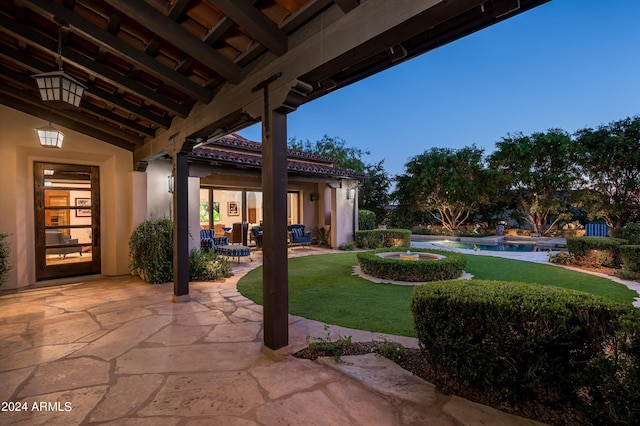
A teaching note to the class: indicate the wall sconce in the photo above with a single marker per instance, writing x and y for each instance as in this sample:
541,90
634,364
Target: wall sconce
57,86
172,183
314,197
50,137
351,193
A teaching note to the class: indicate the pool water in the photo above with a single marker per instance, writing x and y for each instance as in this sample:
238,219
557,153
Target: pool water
498,247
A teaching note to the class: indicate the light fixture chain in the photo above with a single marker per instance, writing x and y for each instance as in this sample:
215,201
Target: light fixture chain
59,47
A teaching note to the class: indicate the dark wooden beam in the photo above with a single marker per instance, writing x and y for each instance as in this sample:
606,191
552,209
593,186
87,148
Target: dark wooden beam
118,47
179,37
347,5
77,123
250,19
177,8
302,15
70,56
275,275
181,221
28,85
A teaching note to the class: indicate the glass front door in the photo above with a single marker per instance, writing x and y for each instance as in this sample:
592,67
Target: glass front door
67,220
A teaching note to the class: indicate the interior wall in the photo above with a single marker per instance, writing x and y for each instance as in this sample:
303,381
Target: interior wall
19,149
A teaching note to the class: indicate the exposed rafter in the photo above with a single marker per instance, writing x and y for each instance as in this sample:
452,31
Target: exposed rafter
118,47
255,23
175,34
23,33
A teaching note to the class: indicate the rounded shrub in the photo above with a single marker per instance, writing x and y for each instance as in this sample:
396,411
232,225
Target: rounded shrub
366,220
630,233
448,268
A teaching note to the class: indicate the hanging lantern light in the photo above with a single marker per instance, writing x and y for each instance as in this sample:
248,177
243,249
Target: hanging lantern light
58,86
50,137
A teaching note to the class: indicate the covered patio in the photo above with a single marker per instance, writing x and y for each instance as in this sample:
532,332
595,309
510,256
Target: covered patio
163,78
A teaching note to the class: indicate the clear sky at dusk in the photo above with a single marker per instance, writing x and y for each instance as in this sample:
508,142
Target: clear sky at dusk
567,64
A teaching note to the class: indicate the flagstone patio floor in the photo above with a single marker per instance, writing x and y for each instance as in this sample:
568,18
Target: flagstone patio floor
118,351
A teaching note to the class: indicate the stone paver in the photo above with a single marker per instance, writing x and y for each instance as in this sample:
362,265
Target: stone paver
119,352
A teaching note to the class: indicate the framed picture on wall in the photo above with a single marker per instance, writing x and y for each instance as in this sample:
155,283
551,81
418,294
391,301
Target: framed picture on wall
86,203
232,207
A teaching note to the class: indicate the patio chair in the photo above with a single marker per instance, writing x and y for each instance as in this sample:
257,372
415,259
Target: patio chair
297,235
208,240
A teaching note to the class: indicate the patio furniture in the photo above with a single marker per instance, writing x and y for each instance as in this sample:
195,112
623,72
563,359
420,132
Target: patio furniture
235,251
208,240
256,231
297,235
56,238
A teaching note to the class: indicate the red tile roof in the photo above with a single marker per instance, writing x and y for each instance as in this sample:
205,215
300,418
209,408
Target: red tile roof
233,149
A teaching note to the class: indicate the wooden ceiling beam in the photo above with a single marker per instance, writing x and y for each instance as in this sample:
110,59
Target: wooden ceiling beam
84,63
347,5
250,19
169,30
73,121
40,67
103,39
302,15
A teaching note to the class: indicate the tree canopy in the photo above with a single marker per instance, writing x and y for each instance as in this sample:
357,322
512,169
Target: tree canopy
609,157
448,184
540,172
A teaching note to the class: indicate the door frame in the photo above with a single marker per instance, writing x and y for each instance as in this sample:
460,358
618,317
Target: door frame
63,270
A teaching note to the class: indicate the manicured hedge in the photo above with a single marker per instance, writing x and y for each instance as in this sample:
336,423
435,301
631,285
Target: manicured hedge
531,342
366,220
448,268
380,238
630,256
581,247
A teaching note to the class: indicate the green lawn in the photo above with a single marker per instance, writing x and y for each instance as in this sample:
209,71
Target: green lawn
322,288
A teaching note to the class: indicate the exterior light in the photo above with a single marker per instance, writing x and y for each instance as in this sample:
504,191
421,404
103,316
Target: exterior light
50,137
57,86
351,193
172,183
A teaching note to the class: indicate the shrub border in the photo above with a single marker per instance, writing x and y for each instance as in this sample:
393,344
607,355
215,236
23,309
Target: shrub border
448,268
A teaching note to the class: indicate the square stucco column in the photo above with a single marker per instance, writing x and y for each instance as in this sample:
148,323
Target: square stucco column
275,268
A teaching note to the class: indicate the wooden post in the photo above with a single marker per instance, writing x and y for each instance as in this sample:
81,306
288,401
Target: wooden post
274,242
181,222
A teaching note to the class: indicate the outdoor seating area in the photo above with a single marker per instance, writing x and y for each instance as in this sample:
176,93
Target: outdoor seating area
298,236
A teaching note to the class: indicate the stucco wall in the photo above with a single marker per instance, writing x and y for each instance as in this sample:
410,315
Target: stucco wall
19,149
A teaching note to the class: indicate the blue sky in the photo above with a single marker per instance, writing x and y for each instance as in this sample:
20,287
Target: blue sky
567,64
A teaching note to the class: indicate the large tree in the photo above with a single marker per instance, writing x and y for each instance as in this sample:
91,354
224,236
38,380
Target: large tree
447,184
540,172
609,157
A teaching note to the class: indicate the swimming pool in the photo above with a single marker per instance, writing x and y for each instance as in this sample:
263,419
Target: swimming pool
490,247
